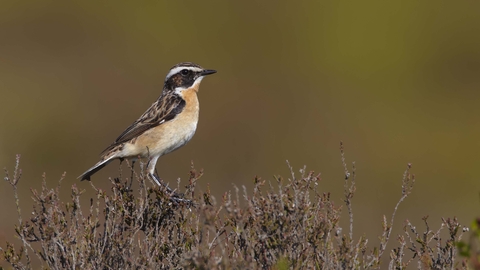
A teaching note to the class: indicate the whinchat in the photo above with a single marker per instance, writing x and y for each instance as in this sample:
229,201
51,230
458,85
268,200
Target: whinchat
167,125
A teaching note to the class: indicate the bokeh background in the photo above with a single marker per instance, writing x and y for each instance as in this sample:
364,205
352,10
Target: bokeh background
396,81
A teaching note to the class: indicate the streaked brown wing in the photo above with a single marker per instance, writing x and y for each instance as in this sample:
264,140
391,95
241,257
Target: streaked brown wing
163,110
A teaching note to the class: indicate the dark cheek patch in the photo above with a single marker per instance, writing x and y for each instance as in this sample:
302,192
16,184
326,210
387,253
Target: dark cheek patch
180,81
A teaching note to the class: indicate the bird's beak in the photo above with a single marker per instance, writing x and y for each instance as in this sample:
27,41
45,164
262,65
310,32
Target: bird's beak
207,72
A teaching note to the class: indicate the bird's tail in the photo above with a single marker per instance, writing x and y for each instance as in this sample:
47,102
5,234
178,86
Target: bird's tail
86,175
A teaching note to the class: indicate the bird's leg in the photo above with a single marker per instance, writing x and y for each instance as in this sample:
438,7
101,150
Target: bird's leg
152,161
131,177
174,196
160,183
151,172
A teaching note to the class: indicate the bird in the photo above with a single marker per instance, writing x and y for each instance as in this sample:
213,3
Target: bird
169,123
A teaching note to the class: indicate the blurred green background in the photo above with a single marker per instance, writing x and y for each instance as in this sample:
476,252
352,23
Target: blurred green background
396,81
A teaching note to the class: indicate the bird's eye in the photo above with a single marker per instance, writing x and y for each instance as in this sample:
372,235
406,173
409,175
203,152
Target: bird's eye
185,72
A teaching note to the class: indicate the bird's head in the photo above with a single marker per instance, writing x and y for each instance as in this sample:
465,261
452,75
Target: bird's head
185,76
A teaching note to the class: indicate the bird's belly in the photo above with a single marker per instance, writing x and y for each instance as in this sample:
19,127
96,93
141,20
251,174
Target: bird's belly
167,136
162,139
171,139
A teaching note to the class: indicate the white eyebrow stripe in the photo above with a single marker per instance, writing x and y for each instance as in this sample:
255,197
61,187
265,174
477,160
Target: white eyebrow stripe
178,69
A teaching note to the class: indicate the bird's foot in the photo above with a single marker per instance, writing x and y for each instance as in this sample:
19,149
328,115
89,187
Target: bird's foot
175,197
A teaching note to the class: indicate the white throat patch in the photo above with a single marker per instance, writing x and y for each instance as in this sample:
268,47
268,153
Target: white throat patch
179,90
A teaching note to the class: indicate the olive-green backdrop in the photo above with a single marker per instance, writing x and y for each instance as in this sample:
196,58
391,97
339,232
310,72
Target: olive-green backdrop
396,81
